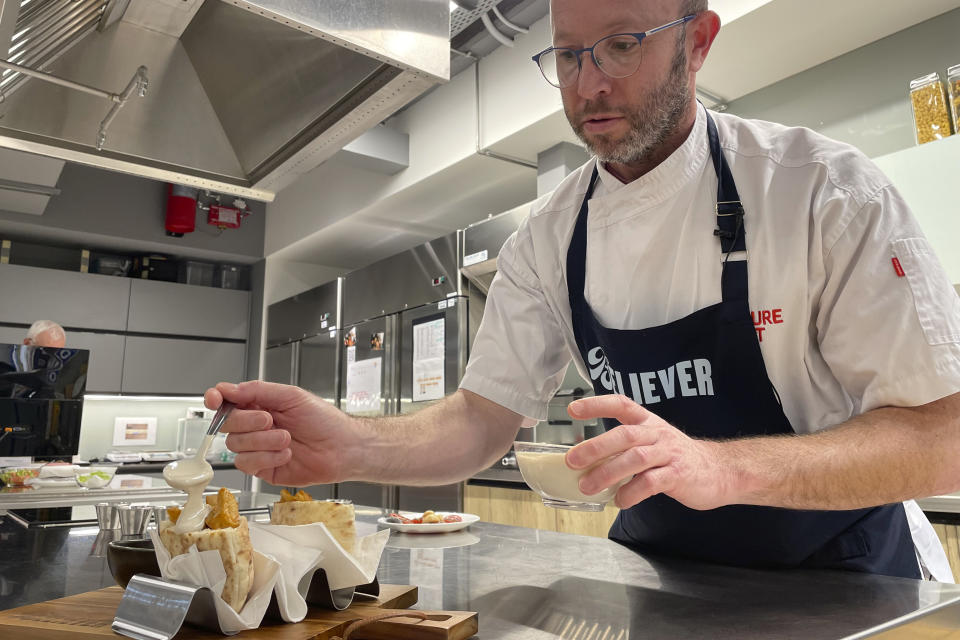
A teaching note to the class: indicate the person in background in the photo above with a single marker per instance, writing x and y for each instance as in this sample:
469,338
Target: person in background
784,415
46,333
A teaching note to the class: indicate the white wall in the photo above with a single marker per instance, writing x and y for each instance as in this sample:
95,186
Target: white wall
99,414
287,278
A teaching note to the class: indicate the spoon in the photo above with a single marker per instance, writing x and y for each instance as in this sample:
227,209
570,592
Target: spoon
193,474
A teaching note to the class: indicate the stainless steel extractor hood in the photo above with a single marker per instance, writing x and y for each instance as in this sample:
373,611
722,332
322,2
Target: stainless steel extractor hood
244,95
482,242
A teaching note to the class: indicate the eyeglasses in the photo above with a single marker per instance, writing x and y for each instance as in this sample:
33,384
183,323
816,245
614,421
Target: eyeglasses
618,56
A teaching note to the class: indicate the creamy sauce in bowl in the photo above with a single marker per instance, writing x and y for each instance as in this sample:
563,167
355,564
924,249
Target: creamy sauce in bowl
191,475
547,473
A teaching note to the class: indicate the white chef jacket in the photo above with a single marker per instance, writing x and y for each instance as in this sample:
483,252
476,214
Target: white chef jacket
853,311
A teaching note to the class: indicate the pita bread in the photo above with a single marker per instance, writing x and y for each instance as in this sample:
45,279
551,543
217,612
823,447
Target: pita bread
337,516
235,549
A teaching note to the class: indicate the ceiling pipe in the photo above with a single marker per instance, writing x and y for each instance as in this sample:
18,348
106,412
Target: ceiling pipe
493,31
503,19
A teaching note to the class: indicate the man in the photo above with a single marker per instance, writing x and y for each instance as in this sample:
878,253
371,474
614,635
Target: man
45,333
784,416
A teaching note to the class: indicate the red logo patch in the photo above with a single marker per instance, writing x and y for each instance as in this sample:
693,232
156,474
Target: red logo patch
897,268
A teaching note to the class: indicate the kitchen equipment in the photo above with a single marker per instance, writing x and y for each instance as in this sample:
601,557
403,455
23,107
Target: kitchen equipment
123,456
161,456
544,469
110,265
365,58
231,276
226,408
196,273
127,558
100,544
159,515
190,434
41,400
155,268
134,519
108,517
91,615
304,349
405,313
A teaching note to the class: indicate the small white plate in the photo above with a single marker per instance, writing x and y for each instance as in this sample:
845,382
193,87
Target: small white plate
467,519
445,541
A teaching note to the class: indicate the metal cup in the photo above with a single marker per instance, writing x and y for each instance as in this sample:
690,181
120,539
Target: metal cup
134,519
159,515
107,515
99,547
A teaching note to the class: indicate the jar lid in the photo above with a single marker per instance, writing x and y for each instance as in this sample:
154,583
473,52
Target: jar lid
925,80
953,71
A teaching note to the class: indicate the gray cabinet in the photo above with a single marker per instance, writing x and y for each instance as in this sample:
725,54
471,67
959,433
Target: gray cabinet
106,355
72,299
106,359
186,310
12,335
166,365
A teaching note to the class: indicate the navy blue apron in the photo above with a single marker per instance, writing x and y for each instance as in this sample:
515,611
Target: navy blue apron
705,375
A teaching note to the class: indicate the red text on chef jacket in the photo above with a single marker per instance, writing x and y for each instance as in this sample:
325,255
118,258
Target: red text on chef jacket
765,318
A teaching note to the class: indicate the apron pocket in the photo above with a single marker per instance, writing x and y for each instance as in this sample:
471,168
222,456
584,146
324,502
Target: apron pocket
849,546
936,301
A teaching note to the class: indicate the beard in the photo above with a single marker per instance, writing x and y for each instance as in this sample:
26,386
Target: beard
651,122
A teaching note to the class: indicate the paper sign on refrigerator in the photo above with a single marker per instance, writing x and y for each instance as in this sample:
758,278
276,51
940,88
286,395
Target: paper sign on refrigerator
363,386
428,349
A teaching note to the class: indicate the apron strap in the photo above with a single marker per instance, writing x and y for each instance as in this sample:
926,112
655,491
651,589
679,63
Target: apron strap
730,225
577,252
730,230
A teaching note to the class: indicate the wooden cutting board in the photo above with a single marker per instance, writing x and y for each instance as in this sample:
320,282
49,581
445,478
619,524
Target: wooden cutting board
88,616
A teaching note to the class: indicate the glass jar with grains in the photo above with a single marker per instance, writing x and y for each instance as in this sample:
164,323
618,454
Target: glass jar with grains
953,89
930,112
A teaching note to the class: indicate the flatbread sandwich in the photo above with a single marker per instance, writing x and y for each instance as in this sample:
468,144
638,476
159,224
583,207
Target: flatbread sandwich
298,509
226,531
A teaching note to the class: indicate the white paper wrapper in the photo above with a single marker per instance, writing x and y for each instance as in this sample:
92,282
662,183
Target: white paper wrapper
343,569
205,569
297,566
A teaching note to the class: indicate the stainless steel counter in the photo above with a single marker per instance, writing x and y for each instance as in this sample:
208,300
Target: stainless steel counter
67,493
531,585
949,503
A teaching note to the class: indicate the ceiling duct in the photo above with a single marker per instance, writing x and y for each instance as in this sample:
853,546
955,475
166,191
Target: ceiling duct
245,95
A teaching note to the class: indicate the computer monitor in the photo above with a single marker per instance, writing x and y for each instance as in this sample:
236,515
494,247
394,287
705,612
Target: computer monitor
41,400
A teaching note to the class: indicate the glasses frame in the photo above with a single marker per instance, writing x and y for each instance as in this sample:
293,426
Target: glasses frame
579,52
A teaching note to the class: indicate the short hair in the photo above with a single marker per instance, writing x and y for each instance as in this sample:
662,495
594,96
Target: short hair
42,326
693,7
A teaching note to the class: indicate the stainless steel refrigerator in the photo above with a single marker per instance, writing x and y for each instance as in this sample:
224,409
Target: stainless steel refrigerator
404,346
302,349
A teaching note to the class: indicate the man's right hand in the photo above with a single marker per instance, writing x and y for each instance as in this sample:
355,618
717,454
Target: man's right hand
283,434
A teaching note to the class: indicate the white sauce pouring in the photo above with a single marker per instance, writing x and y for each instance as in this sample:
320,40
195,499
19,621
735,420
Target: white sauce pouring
191,475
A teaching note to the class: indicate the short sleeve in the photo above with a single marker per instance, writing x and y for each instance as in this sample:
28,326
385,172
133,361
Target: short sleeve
888,324
518,358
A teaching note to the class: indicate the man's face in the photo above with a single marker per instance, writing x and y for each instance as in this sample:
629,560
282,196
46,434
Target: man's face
622,120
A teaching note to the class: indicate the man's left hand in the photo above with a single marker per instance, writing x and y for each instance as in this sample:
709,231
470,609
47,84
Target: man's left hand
660,457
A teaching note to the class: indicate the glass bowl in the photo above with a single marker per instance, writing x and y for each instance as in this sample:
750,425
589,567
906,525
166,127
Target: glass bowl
544,469
95,477
18,476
